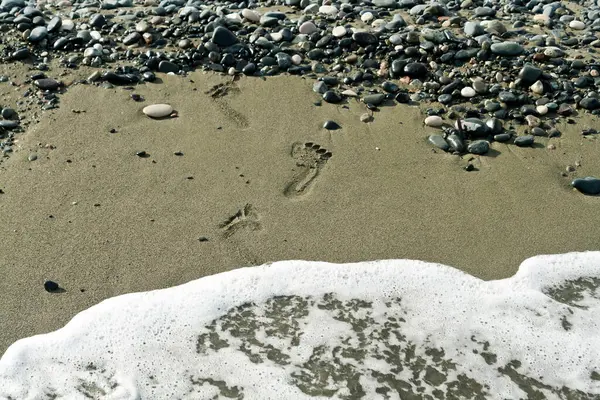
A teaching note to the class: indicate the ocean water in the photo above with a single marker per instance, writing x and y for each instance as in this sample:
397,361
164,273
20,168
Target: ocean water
392,329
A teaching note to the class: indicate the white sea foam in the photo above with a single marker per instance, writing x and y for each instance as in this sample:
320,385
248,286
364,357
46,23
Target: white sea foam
300,330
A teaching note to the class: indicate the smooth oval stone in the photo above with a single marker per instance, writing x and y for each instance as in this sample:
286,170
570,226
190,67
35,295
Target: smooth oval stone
51,286
523,141
542,110
47,84
494,125
328,10
364,38
120,79
167,66
590,103
132,38
589,185
473,126
332,97
331,125
456,143
307,28
468,92
375,99
577,25
434,121
502,137
508,49
478,147
339,31
9,124
38,34
439,142
158,110
251,15
415,70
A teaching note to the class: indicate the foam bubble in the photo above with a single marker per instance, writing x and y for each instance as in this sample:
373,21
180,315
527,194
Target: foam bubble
296,329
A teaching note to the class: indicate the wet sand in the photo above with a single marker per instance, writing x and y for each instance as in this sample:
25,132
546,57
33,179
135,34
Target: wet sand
101,221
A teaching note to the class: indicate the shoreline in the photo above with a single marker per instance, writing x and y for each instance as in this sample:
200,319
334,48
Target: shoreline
401,201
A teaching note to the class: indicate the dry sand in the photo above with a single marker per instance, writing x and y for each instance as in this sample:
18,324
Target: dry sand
383,194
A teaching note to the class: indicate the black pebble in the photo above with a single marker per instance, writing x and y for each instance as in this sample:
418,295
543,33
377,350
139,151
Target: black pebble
331,125
51,286
142,154
178,153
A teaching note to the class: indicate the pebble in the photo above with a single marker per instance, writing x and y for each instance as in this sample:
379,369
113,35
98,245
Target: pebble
307,28
468,92
339,31
478,147
439,142
524,141
223,37
374,99
542,110
537,87
331,125
507,49
47,84
434,121
577,25
589,185
158,110
51,286
331,96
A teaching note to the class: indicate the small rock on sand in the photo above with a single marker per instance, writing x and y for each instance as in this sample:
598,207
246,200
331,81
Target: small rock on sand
158,110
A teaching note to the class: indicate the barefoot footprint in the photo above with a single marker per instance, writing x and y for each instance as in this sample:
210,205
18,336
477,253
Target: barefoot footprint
218,94
246,218
310,158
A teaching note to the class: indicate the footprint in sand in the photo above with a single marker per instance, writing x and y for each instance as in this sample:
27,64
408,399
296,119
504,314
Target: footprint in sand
218,94
310,158
245,218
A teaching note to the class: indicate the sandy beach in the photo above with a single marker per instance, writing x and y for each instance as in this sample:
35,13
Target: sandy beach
99,220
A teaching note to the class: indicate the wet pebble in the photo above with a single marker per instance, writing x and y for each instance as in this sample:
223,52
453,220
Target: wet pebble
524,141
589,185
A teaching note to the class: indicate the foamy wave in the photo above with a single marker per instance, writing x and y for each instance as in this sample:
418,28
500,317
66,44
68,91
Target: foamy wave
299,330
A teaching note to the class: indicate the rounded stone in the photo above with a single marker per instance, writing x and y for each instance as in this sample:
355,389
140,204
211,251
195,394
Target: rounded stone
339,31
577,25
589,185
307,28
158,110
468,92
434,121
478,147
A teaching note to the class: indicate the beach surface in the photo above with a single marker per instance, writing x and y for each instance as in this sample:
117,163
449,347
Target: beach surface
245,190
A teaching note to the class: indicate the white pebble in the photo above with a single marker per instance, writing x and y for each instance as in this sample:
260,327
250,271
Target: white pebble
328,10
307,28
537,88
296,59
366,17
468,92
577,25
339,31
542,110
158,110
250,15
434,121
